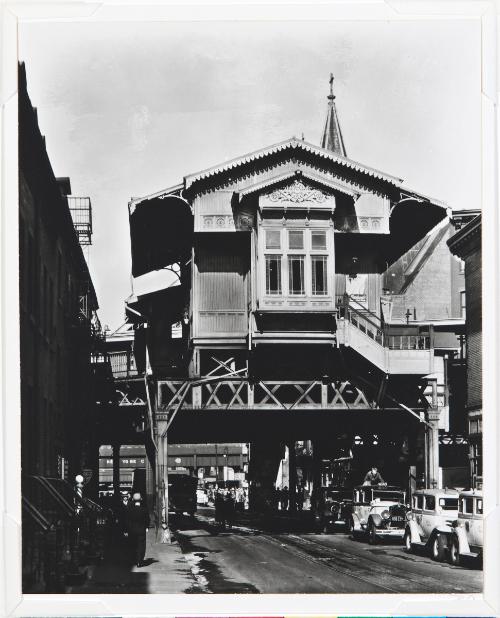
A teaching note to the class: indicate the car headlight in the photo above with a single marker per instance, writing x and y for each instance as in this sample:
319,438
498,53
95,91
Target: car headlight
385,515
409,516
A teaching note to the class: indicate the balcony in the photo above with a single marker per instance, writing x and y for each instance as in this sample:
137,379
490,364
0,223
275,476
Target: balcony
81,213
123,365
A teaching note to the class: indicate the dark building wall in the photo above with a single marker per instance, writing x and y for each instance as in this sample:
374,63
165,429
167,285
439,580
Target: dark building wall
474,328
56,386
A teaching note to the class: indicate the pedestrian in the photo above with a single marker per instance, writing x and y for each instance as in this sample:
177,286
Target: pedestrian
229,509
137,526
300,498
373,477
219,509
284,498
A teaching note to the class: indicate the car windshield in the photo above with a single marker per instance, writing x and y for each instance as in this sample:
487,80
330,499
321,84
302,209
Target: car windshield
448,504
336,495
394,496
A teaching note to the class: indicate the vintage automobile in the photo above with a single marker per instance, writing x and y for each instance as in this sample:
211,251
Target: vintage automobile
333,509
378,511
466,540
430,519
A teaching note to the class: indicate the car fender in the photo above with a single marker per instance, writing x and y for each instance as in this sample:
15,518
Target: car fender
356,520
376,519
415,531
463,543
443,529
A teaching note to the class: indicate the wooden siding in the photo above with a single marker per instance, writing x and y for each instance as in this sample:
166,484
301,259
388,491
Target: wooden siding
219,212
474,329
220,288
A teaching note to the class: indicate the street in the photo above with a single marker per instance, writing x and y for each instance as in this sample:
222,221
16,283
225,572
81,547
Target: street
248,560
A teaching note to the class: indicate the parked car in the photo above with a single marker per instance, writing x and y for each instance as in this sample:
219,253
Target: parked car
378,511
201,496
430,519
333,509
466,540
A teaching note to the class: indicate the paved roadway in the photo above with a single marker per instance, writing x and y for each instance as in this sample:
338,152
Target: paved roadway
248,560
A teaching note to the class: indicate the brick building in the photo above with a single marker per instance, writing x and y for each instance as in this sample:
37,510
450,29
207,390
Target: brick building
58,305
466,244
61,364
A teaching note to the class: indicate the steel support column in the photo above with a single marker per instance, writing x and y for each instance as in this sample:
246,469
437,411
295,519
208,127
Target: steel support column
116,470
432,448
292,476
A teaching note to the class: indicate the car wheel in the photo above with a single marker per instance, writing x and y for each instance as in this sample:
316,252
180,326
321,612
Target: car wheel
438,548
454,552
407,541
372,534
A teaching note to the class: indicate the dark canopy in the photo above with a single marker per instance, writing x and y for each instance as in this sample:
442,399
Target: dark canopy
161,230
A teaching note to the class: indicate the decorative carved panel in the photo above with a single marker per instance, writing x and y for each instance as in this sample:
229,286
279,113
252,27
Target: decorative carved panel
298,195
297,192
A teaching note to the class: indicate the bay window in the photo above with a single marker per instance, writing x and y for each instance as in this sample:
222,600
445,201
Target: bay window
297,262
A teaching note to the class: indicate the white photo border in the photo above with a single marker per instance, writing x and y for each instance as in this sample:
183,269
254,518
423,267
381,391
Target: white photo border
16,604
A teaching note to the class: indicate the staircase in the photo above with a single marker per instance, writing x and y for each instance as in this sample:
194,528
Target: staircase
362,330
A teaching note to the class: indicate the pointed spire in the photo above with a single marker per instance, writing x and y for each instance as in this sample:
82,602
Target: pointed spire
332,135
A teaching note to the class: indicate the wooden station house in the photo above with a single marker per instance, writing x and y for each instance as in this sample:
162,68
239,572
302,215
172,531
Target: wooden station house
266,338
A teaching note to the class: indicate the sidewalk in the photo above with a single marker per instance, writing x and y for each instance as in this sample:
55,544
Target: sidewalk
166,572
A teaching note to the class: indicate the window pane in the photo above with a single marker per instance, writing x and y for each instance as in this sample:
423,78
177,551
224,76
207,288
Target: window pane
462,304
273,239
448,504
318,240
467,505
430,503
319,275
296,274
479,507
273,274
295,239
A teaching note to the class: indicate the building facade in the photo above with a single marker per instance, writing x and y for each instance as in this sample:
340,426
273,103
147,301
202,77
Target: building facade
60,342
280,255
466,244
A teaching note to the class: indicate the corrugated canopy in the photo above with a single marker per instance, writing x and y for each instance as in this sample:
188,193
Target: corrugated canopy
161,231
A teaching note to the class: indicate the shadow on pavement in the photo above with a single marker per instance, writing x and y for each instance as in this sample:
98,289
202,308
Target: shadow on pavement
116,573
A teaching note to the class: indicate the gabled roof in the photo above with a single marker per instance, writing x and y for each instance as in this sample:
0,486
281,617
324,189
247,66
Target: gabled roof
290,144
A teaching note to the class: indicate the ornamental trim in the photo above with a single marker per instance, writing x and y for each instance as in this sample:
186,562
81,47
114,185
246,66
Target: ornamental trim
297,193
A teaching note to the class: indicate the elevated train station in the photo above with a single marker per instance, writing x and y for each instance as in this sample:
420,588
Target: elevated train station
266,336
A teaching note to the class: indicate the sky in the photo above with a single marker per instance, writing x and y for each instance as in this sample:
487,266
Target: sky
130,108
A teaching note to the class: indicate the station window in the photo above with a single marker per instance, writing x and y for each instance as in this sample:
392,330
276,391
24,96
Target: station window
296,274
295,239
273,239
273,274
296,262
318,240
319,269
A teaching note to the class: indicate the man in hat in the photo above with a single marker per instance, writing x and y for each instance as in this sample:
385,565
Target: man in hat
373,477
137,526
